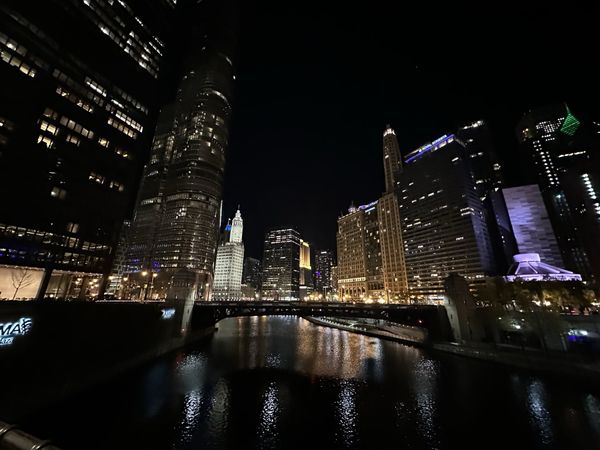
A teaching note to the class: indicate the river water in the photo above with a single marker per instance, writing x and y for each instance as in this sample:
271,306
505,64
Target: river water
283,382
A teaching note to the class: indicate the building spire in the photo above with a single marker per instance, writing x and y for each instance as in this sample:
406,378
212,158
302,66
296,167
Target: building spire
392,163
237,227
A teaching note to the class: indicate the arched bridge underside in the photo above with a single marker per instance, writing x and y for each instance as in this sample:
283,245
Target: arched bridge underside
431,317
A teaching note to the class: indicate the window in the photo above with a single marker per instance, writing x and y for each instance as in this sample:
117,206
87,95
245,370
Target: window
103,142
48,127
73,139
59,193
45,140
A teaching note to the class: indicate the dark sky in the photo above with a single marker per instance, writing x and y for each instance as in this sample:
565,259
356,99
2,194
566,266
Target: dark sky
317,82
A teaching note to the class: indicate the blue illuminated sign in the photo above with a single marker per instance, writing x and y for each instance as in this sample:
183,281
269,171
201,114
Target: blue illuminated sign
10,330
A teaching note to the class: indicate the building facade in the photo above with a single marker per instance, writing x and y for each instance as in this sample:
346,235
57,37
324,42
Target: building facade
281,265
78,103
324,261
252,273
564,152
444,224
175,228
229,265
306,277
531,224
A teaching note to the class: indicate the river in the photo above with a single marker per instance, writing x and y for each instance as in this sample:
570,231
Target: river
283,382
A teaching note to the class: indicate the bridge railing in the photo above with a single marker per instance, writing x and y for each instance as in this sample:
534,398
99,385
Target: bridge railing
11,438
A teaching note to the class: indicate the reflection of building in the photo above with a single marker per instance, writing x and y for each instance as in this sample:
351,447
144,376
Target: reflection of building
531,225
252,272
565,151
78,94
306,279
281,265
444,224
529,267
176,221
323,266
230,263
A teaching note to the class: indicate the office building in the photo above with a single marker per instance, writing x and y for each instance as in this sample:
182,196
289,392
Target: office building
175,228
444,225
306,278
487,173
281,265
78,104
229,265
252,272
324,262
564,151
531,224
393,266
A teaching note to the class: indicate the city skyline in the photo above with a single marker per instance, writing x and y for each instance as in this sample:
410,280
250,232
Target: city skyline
386,73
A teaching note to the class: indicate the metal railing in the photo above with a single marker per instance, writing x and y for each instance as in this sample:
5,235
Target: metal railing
11,438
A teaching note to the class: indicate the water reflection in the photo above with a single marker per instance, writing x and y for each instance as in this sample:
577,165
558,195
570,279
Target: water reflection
283,382
346,413
267,426
425,376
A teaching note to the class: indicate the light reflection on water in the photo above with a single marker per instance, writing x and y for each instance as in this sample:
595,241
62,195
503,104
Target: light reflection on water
283,382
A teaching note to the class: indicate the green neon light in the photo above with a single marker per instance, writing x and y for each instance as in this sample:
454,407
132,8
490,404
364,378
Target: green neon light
570,125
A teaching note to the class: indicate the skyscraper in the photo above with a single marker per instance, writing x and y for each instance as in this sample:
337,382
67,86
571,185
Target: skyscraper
306,278
230,263
444,225
487,173
360,274
252,272
281,265
323,264
564,150
393,264
78,102
175,226
531,224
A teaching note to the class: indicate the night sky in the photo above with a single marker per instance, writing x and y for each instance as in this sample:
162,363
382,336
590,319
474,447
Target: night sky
317,84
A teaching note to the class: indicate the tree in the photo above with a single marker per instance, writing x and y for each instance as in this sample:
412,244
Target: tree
20,278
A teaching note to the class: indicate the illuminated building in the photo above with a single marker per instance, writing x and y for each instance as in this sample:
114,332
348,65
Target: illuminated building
444,225
393,266
306,279
79,100
252,272
564,151
175,229
487,174
529,267
531,224
360,275
281,265
229,265
323,265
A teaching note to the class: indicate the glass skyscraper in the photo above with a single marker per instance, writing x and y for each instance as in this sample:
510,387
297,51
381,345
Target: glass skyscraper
78,103
281,265
174,230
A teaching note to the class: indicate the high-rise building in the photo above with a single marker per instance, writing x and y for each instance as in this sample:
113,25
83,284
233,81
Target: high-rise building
252,272
444,225
229,265
323,264
78,101
306,278
531,224
564,151
360,274
175,226
487,173
392,163
393,265
281,265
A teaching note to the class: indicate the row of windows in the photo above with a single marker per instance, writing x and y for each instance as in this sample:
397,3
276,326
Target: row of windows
122,128
75,99
101,179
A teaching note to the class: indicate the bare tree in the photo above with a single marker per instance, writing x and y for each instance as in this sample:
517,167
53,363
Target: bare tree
20,278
